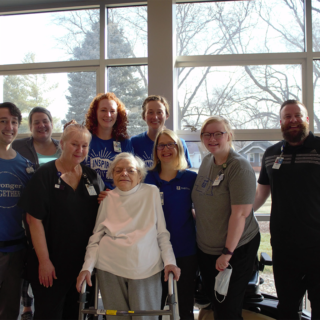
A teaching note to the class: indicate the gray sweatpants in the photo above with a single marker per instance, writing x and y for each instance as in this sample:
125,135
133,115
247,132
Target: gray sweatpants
124,294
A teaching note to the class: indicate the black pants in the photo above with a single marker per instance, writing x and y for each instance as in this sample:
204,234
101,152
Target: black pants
57,302
294,274
242,263
186,286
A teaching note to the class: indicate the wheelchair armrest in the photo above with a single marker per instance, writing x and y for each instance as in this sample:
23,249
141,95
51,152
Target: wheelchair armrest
265,260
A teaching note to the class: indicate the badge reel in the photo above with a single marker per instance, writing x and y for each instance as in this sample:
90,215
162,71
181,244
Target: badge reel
89,186
59,185
277,164
117,146
218,179
162,198
220,176
29,169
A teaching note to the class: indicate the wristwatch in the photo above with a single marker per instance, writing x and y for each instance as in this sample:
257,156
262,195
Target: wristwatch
226,251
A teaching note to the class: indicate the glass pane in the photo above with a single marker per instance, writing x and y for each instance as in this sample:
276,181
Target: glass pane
257,148
237,27
316,102
130,85
66,95
47,37
249,96
316,24
127,35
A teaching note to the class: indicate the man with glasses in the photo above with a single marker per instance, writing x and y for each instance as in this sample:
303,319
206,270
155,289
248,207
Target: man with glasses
291,173
15,172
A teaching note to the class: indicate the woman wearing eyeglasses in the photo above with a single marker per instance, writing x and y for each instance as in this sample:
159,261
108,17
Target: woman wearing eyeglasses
227,231
155,112
175,184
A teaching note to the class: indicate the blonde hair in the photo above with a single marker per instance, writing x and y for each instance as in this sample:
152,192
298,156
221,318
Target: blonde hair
182,162
71,127
218,119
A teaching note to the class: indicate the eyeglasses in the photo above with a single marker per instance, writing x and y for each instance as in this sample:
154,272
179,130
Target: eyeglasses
170,145
128,170
217,135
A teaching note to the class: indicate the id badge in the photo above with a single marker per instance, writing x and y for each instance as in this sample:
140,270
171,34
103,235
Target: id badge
218,179
30,170
277,164
162,198
116,146
91,190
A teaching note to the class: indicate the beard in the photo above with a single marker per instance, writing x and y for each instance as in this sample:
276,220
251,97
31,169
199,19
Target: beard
295,136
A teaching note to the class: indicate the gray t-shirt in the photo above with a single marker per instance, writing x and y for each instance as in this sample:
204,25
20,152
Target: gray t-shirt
213,203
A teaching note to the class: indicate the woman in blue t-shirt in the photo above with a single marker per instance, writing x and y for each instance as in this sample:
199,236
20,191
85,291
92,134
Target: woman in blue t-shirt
107,120
175,184
155,112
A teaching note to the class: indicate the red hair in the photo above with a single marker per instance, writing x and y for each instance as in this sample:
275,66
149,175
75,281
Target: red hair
119,130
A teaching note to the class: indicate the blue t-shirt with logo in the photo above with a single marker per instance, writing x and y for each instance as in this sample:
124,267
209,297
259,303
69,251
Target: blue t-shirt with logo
143,148
177,205
13,179
101,154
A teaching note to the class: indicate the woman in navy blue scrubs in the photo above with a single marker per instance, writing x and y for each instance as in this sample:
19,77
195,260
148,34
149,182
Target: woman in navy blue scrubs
175,184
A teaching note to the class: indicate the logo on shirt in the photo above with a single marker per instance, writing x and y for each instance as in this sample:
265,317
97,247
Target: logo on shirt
10,189
182,188
204,186
100,162
147,160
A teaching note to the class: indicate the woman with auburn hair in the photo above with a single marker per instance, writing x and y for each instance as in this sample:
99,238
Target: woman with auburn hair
155,112
227,230
175,184
107,120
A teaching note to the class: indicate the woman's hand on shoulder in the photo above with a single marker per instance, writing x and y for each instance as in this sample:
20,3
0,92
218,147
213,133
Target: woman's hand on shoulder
102,195
83,275
222,262
47,273
174,269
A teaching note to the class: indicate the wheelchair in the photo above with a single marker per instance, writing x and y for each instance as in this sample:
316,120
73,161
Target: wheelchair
256,305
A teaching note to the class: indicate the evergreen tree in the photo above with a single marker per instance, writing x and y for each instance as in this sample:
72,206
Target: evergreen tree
123,81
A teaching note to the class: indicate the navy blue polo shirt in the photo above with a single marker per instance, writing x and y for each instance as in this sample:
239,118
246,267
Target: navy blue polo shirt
177,210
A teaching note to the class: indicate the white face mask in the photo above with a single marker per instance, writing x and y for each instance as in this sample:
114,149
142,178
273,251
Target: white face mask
222,282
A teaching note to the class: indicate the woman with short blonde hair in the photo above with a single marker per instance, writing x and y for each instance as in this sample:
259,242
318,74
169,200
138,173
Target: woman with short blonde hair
61,204
169,173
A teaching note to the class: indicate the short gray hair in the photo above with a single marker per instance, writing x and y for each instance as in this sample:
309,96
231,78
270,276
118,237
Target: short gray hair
137,162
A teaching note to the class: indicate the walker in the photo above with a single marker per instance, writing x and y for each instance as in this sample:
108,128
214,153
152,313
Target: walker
172,304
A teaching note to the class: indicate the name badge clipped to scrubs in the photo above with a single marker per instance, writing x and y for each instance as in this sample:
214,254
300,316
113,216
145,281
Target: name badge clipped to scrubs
277,164
116,146
89,186
220,176
29,168
91,190
162,198
59,185
218,179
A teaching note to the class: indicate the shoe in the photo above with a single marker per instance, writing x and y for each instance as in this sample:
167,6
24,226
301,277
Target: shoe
27,316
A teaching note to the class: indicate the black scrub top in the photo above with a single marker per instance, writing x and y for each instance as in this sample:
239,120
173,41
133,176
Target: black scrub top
68,218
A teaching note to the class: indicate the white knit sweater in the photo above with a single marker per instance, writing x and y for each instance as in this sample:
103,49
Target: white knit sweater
130,238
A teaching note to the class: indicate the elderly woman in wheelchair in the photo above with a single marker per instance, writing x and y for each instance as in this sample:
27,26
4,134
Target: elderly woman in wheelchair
130,243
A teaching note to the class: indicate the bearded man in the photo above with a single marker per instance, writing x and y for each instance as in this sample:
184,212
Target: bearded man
290,171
